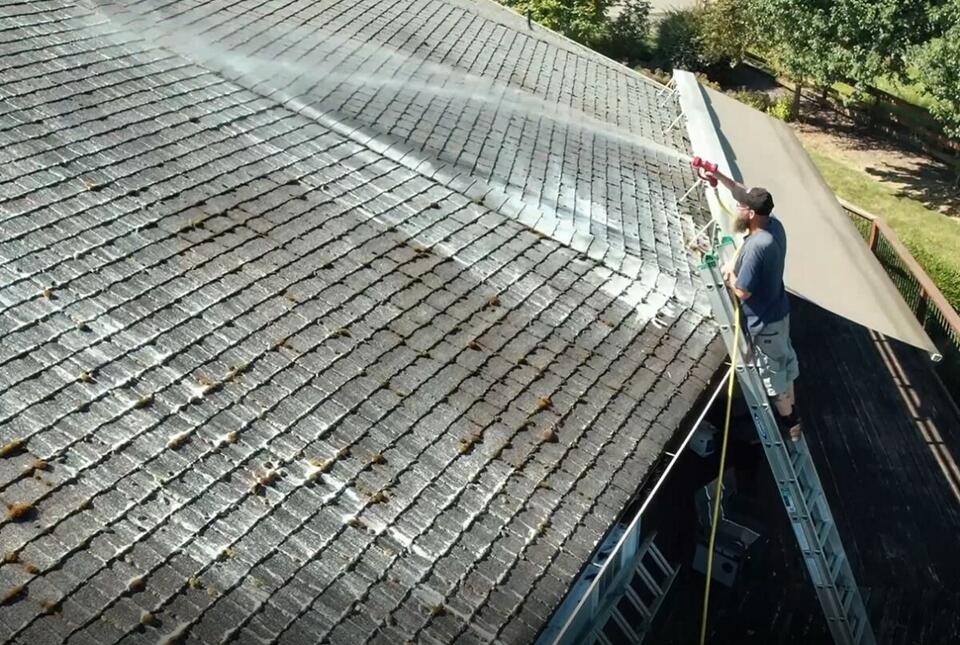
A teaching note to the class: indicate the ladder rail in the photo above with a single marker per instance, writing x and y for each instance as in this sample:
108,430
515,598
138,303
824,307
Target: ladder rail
797,480
611,611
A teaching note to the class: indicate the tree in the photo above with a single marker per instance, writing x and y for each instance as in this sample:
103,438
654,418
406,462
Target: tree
726,31
798,36
588,22
628,31
582,20
872,38
938,65
678,42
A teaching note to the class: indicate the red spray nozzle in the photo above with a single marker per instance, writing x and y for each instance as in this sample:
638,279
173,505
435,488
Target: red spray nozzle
705,169
709,166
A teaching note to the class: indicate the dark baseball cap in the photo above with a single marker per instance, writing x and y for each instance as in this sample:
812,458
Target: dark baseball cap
757,199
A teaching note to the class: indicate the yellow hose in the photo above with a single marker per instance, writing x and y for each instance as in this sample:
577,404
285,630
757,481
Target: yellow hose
723,458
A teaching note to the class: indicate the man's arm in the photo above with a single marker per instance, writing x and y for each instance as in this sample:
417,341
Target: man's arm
744,279
728,182
732,280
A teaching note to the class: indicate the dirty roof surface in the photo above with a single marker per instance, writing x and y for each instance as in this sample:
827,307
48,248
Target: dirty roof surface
293,357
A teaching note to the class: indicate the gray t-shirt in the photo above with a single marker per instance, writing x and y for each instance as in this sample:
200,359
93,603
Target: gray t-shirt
759,270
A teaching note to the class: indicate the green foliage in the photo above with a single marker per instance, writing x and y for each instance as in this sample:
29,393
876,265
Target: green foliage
587,22
796,36
755,99
938,65
678,42
872,38
782,109
628,31
582,20
726,31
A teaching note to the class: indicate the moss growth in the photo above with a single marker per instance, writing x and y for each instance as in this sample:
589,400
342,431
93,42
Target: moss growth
50,605
356,523
19,511
178,440
208,385
14,594
14,447
548,436
145,401
544,403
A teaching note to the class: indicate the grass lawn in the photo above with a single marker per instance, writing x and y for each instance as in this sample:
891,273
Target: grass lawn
933,238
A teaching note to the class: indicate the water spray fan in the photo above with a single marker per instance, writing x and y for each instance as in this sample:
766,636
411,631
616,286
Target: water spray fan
703,167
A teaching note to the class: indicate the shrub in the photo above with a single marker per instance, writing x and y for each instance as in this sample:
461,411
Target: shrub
678,42
726,31
757,100
782,109
628,31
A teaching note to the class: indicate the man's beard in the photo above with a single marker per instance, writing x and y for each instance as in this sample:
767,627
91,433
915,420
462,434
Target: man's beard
741,224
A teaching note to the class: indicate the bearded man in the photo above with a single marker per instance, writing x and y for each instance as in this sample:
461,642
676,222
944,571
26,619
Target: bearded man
756,276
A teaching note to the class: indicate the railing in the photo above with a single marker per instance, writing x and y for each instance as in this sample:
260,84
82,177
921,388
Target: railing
939,319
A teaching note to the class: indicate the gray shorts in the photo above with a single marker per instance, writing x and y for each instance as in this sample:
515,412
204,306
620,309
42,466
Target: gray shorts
774,357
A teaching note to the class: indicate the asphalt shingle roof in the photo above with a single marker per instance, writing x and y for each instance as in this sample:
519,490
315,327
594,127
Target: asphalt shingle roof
297,357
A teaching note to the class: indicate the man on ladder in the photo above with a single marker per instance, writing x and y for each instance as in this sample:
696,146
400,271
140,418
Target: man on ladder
756,276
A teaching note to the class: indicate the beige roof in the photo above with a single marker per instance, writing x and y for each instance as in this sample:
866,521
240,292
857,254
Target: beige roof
827,261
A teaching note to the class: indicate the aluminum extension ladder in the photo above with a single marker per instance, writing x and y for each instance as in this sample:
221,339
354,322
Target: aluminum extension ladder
627,619
796,478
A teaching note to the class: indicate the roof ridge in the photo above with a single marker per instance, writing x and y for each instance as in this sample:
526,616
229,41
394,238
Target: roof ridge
580,47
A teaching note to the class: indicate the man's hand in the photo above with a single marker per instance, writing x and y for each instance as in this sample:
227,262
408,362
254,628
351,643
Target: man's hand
729,277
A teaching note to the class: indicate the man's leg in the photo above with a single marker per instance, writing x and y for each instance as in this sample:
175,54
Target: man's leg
792,372
784,404
777,363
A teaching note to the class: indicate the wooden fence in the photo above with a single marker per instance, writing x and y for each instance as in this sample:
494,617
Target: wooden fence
939,319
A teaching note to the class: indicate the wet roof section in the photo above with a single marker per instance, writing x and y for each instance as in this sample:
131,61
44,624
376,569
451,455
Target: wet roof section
290,356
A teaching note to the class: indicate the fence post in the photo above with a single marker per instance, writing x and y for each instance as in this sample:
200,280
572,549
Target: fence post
874,234
922,308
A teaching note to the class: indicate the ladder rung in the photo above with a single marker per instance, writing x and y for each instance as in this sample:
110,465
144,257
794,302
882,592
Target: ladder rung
836,566
823,531
625,626
846,600
797,461
638,604
660,560
600,637
647,579
858,628
810,497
